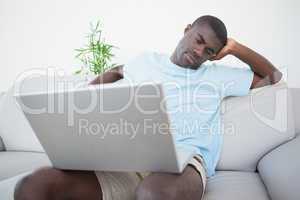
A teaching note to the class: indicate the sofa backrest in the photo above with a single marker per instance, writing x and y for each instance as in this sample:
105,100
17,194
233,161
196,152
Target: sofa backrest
15,130
254,125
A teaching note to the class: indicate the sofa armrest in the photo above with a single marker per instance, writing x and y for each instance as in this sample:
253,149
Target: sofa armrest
280,171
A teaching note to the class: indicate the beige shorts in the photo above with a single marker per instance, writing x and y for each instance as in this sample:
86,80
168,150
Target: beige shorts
122,185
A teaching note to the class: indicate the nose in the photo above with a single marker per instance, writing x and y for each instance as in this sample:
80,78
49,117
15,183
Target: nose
198,51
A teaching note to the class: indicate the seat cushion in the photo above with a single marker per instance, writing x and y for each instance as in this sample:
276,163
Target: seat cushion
255,124
14,163
228,185
7,186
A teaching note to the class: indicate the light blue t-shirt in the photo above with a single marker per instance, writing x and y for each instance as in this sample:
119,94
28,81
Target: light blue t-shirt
193,99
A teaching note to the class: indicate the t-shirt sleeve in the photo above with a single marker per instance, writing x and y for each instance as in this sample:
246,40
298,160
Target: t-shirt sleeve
234,81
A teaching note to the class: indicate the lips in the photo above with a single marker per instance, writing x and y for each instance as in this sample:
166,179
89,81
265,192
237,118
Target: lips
190,58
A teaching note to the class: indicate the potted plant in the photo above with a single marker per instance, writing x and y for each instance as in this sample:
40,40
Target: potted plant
96,55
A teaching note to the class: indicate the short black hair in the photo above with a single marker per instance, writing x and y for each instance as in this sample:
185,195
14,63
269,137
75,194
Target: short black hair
216,25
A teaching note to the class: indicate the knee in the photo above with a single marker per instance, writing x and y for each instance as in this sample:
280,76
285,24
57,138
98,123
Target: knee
20,190
37,185
154,191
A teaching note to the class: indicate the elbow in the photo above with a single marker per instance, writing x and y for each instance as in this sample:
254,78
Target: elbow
94,81
276,77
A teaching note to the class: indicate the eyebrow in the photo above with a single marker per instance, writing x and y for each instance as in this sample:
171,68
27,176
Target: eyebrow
202,38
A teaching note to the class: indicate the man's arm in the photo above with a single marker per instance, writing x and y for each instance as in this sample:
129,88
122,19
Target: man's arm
110,76
264,72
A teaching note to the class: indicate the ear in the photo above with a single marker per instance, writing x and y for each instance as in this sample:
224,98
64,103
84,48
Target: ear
187,28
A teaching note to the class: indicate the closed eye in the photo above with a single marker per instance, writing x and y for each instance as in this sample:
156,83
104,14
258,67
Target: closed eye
198,41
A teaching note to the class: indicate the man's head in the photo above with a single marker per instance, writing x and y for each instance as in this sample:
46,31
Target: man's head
202,40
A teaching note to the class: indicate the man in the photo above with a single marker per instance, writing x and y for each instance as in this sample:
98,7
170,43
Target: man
195,90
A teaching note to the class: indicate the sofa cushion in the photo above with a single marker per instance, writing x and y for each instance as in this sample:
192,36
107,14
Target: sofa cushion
228,185
280,171
253,125
14,163
7,186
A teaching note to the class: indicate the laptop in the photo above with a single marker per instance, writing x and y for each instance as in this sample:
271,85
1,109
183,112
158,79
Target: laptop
107,127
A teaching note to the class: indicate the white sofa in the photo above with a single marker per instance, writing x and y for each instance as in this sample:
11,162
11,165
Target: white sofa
260,157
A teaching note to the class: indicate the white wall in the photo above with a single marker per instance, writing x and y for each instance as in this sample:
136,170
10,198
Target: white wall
45,33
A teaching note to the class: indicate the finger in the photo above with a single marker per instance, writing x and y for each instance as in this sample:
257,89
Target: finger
213,58
218,57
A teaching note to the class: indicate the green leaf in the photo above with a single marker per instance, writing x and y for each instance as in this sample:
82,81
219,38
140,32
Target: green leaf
96,54
78,71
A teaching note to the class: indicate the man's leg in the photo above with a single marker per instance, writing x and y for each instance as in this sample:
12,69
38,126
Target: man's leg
54,184
162,186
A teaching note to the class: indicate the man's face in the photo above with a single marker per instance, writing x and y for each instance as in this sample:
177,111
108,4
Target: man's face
198,45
